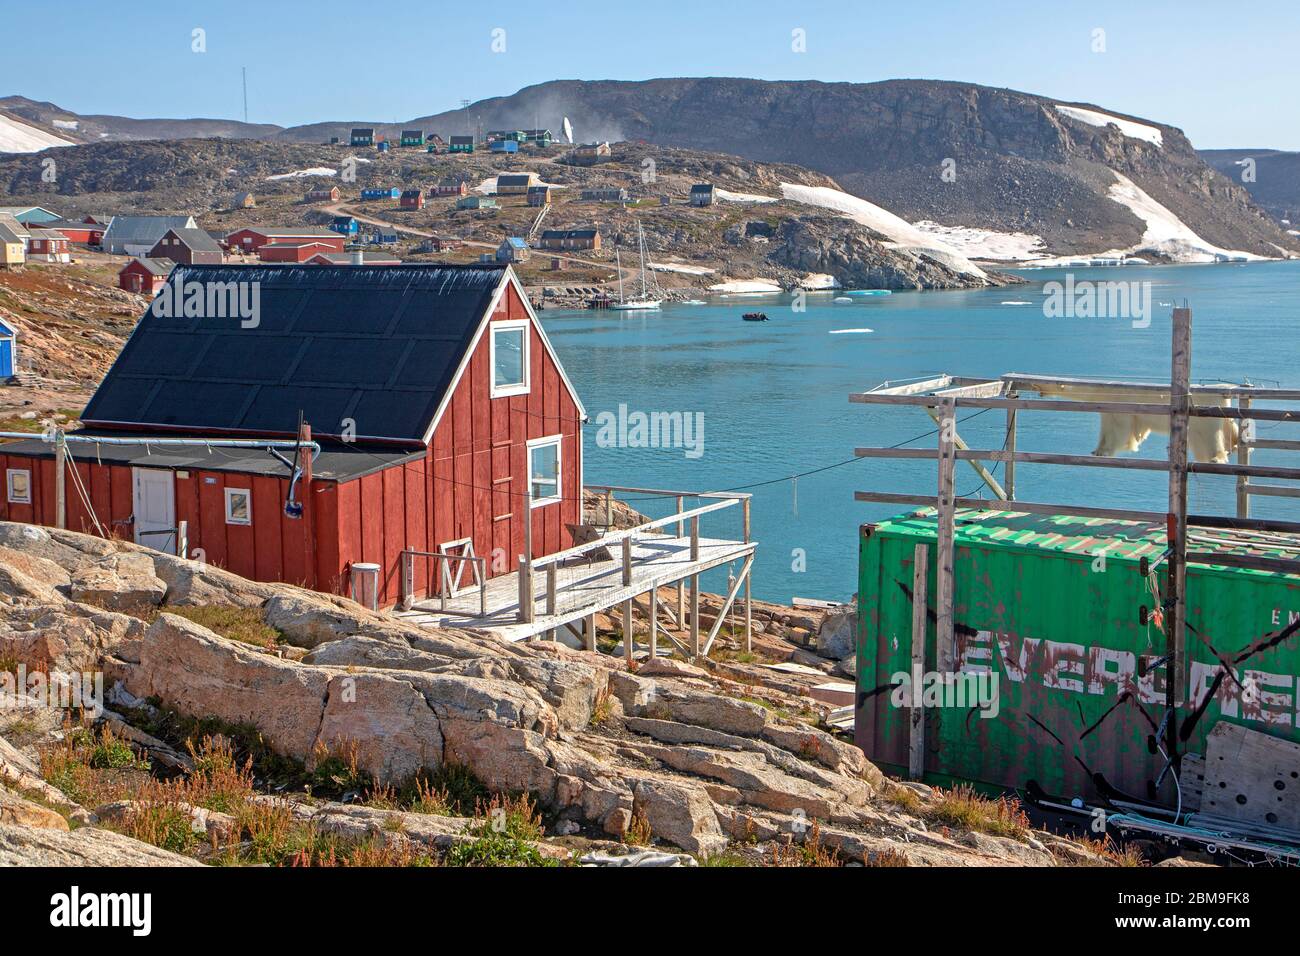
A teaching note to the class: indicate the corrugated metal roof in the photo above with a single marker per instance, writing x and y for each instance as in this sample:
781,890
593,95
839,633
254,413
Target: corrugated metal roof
142,229
379,345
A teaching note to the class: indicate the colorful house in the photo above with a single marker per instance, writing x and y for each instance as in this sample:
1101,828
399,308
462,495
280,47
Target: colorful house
145,276
702,194
193,247
503,146
413,199
48,245
362,136
604,194
452,187
570,239
252,238
31,215
136,235
8,351
461,425
356,257
345,225
476,202
538,137
515,184
376,192
13,250
539,195
83,233
323,194
383,236
461,144
412,137
512,249
294,252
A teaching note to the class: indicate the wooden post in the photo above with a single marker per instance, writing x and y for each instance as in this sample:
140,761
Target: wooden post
681,582
1009,469
591,632
627,561
627,630
654,623
609,508
1180,401
1243,458
916,740
182,539
749,605
945,531
695,537
60,478
551,574
525,615
695,616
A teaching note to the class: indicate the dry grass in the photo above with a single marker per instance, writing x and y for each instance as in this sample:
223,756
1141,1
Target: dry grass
1107,848
810,852
887,858
638,831
93,767
603,708
243,624
962,807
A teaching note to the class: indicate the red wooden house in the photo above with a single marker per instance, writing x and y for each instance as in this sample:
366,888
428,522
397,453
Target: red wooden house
292,251
444,417
145,276
253,238
412,199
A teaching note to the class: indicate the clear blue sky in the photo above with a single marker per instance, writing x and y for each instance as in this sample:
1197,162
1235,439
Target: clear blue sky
1226,73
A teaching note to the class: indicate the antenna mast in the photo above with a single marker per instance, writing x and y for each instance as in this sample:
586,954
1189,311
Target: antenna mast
244,70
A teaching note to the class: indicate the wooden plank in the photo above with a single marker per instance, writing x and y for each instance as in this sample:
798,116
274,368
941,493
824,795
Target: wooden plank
1176,620
1012,507
1034,404
1248,777
1273,443
1243,458
945,532
977,390
695,616
726,605
914,388
628,639
1256,562
654,622
916,736
979,469
1009,469
1274,491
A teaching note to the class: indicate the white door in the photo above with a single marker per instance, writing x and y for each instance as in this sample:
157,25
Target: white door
154,502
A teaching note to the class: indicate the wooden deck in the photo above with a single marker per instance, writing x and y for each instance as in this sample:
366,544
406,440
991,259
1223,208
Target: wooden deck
583,587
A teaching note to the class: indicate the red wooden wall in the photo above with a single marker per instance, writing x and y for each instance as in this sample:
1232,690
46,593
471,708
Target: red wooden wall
473,481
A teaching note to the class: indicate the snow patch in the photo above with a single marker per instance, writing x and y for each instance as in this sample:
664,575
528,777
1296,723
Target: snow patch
1128,127
65,124
815,281
746,286
729,196
300,173
985,243
899,231
681,267
16,137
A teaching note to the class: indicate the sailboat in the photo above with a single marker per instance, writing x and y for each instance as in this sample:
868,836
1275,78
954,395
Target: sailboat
643,301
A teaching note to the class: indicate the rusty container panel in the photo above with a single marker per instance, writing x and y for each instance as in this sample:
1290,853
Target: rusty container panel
1077,687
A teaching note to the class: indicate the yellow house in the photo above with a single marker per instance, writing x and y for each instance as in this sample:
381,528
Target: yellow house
12,253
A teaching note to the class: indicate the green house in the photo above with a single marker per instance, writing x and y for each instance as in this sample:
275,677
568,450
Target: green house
461,144
412,137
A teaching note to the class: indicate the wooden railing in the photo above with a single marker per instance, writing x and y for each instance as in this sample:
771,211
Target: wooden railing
446,584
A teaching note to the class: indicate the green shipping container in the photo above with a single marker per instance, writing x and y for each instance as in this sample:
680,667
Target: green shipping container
1047,609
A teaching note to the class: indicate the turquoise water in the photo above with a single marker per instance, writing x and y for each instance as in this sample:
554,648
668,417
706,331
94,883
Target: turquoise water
774,397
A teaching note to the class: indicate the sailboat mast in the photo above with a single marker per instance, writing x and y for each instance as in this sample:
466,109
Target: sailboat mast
618,265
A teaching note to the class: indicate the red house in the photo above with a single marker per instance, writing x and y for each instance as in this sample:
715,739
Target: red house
443,415
47,245
292,251
322,194
145,276
413,199
85,233
253,238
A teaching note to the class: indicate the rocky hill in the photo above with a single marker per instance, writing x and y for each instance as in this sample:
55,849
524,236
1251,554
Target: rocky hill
1018,162
93,128
260,724
1275,184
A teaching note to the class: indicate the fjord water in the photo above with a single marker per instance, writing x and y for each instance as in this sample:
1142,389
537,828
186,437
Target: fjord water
774,398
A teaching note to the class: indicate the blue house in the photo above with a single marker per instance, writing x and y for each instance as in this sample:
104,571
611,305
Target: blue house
345,224
384,237
504,146
512,249
383,145
8,352
377,193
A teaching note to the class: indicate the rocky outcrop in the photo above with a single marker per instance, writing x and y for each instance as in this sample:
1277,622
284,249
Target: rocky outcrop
85,846
118,582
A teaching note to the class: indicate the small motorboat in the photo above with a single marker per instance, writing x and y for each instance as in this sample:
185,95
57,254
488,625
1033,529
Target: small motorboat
755,316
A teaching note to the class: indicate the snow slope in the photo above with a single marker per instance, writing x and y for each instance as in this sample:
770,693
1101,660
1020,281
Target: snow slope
729,196
1129,128
300,173
901,233
985,243
16,137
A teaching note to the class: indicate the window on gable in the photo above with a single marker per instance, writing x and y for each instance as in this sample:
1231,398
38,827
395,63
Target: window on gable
239,506
544,471
509,358
19,486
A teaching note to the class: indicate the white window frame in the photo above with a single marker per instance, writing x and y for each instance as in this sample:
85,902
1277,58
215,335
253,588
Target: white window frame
558,442
248,494
510,325
10,474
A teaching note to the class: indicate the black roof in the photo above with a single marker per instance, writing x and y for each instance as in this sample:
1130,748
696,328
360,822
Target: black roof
337,461
200,240
376,344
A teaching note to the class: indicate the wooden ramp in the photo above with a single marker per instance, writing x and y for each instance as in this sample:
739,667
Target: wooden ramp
582,587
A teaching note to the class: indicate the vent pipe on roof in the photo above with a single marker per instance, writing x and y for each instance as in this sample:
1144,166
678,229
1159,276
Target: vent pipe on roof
358,257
